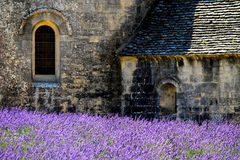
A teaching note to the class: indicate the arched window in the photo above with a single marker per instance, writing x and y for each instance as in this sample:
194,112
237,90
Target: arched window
45,51
168,99
45,62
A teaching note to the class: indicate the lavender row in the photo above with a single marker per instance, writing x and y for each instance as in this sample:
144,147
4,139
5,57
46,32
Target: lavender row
31,135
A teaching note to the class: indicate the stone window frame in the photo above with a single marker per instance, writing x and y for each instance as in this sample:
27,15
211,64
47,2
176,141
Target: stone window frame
55,19
47,78
173,81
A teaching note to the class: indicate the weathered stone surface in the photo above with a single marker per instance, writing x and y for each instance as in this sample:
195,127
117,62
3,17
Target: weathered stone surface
192,45
90,32
215,98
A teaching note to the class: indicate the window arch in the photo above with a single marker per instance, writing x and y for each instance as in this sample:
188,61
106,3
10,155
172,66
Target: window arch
45,52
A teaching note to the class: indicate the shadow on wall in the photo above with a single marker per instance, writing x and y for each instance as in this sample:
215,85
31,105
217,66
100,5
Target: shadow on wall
133,13
143,99
166,30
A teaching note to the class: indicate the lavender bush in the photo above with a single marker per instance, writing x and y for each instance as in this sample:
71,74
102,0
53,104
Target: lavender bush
28,135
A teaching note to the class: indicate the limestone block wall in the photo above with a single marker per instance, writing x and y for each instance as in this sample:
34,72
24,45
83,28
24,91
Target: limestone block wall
206,86
90,32
214,86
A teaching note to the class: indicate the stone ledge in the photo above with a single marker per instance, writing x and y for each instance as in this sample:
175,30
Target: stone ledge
45,85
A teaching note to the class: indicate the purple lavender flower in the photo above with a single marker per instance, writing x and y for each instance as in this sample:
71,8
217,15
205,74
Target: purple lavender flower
32,135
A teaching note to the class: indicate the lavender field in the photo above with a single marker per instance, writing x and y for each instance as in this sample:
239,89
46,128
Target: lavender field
27,135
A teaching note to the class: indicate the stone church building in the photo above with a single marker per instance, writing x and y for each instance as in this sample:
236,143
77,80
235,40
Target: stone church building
135,57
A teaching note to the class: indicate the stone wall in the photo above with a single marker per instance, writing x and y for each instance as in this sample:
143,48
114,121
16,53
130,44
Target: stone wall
206,86
90,32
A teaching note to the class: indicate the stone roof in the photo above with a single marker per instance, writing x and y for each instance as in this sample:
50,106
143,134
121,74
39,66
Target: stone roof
188,27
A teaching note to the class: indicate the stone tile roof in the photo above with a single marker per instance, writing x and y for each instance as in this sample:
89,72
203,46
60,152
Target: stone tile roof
188,27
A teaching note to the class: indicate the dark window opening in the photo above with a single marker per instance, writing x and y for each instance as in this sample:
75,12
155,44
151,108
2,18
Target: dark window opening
45,51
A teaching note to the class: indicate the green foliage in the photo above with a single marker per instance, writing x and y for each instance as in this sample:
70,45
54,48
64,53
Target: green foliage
102,154
110,142
3,145
192,152
8,137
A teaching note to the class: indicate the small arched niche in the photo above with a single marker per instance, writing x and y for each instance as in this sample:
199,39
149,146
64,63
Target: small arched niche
168,99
